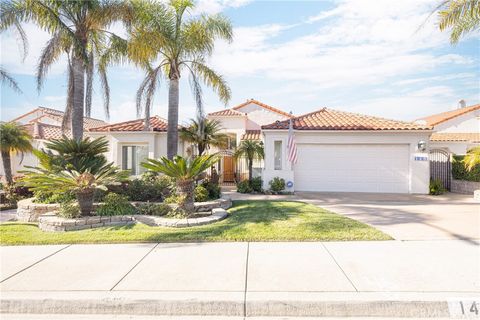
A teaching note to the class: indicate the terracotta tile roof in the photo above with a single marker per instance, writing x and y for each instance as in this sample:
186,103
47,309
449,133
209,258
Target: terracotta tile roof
455,137
328,119
227,113
46,131
263,105
438,118
156,124
251,135
57,115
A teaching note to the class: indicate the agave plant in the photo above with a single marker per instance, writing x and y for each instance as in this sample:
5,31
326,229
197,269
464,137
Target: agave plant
184,171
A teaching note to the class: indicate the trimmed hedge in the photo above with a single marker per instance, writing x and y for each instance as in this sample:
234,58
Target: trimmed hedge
460,173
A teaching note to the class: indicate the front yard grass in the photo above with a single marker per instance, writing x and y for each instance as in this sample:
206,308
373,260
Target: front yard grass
247,221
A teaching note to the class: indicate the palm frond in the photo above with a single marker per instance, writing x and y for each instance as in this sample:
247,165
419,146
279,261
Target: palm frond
6,78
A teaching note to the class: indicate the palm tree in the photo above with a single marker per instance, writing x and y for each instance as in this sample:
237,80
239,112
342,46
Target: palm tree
6,78
180,44
204,133
13,139
472,158
461,16
251,150
77,166
184,171
78,29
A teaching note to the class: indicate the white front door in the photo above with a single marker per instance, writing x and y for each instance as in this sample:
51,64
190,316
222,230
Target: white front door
352,168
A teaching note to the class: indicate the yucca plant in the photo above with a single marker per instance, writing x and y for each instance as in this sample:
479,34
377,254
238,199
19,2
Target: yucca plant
184,171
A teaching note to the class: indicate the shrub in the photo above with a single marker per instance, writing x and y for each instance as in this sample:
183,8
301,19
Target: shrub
200,193
69,209
436,187
214,190
115,205
256,184
459,171
154,209
139,190
277,184
244,187
16,192
48,197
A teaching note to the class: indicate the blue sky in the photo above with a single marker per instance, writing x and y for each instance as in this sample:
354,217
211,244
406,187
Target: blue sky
362,56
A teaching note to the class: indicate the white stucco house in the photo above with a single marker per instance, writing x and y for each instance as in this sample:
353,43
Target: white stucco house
456,131
337,151
130,144
243,122
346,152
43,124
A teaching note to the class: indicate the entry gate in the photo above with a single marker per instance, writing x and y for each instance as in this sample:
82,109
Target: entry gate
441,167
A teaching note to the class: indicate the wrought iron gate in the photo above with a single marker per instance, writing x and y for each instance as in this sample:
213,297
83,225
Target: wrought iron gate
441,167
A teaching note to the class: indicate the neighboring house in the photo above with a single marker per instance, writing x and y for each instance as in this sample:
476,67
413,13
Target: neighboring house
456,131
130,144
243,122
346,152
43,124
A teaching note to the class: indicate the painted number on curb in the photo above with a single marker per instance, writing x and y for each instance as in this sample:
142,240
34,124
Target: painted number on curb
466,309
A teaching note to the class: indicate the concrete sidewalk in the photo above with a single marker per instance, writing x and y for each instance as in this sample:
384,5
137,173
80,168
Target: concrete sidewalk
385,278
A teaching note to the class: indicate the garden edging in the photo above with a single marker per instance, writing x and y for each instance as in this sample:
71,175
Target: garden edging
29,211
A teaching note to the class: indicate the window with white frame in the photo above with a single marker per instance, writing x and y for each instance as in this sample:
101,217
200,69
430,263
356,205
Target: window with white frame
277,154
132,157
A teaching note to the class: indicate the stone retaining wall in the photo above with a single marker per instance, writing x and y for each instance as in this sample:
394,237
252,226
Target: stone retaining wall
29,211
51,222
464,187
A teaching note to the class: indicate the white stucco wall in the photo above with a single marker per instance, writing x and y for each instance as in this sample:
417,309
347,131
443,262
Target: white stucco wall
155,141
233,125
259,116
469,122
454,147
419,171
29,159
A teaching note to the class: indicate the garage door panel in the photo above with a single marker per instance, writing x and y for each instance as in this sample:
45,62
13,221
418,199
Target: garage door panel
352,168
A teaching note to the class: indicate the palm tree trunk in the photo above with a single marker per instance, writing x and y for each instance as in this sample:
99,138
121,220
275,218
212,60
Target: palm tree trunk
250,169
85,202
186,190
7,166
172,132
78,97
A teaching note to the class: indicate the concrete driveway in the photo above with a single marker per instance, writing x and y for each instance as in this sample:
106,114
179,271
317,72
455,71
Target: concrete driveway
407,217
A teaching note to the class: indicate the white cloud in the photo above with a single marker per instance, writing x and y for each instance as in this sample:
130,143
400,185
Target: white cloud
364,42
217,6
54,98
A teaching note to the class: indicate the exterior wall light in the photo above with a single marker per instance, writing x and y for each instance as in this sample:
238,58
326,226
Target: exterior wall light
422,146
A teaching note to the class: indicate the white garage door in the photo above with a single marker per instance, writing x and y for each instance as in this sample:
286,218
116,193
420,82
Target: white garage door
352,168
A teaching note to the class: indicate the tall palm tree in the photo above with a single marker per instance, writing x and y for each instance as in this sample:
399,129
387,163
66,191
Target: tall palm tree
461,16
180,44
204,133
79,30
13,139
251,150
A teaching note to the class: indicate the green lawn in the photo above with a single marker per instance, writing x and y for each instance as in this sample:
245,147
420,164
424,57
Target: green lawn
248,221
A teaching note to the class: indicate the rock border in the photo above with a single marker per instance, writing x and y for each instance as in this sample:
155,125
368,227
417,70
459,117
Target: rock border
29,211
217,215
54,223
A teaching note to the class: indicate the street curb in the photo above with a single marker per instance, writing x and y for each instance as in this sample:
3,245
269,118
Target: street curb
257,308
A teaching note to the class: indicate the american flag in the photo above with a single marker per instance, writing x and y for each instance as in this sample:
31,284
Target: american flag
291,145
